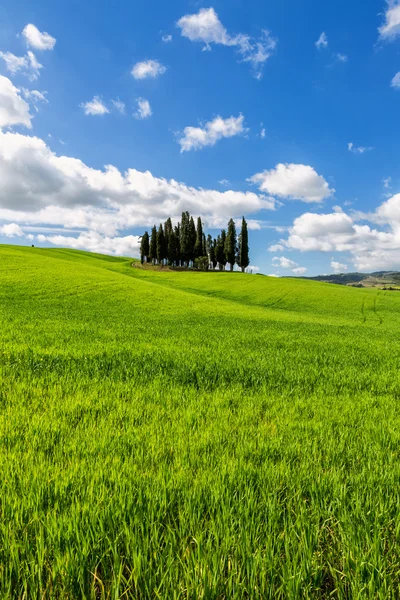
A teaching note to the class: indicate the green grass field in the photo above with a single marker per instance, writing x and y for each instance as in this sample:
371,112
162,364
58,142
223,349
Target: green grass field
194,435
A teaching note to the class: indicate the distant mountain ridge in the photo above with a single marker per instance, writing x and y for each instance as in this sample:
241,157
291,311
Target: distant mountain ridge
385,279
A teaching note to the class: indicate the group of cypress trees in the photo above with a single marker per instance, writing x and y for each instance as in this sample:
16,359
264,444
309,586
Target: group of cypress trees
186,245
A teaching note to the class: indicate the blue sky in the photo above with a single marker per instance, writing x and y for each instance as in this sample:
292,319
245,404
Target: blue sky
219,108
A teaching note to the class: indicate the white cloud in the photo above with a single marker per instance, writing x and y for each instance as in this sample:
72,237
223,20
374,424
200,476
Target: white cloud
299,270
94,242
387,183
358,149
167,38
119,105
95,107
283,262
395,83
276,248
35,97
338,267
341,57
195,138
224,182
252,269
39,188
148,69
13,109
206,27
13,63
322,41
391,27
273,275
28,64
40,40
262,133
371,248
11,230
297,182
143,109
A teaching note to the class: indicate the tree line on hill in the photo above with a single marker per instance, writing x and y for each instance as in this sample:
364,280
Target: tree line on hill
186,245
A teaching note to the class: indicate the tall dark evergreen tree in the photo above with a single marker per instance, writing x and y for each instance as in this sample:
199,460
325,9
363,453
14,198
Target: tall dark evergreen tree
213,256
210,251
144,247
185,237
167,230
198,247
231,244
223,257
177,232
153,245
192,238
220,253
172,248
204,245
243,254
161,246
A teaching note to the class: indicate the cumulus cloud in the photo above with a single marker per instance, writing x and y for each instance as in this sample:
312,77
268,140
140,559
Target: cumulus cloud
143,109
195,138
296,182
338,267
299,270
148,69
40,188
206,27
28,65
395,83
390,29
35,97
340,57
119,105
387,183
358,149
166,38
95,107
13,109
371,248
283,262
11,230
322,41
128,245
276,248
40,40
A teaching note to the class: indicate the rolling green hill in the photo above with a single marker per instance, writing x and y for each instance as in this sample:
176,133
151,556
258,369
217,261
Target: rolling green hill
194,435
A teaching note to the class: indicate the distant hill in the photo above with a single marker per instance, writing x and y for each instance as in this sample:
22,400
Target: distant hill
381,279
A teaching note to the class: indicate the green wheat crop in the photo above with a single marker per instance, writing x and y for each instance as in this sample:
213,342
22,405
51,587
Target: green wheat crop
194,435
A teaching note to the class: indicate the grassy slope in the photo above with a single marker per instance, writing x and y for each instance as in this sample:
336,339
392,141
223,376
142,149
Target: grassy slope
189,435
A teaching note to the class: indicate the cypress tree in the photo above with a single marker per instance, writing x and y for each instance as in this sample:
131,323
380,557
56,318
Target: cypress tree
177,232
198,247
192,239
167,231
220,253
204,245
210,250
223,242
243,255
231,244
172,248
185,237
153,245
144,247
214,259
161,249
